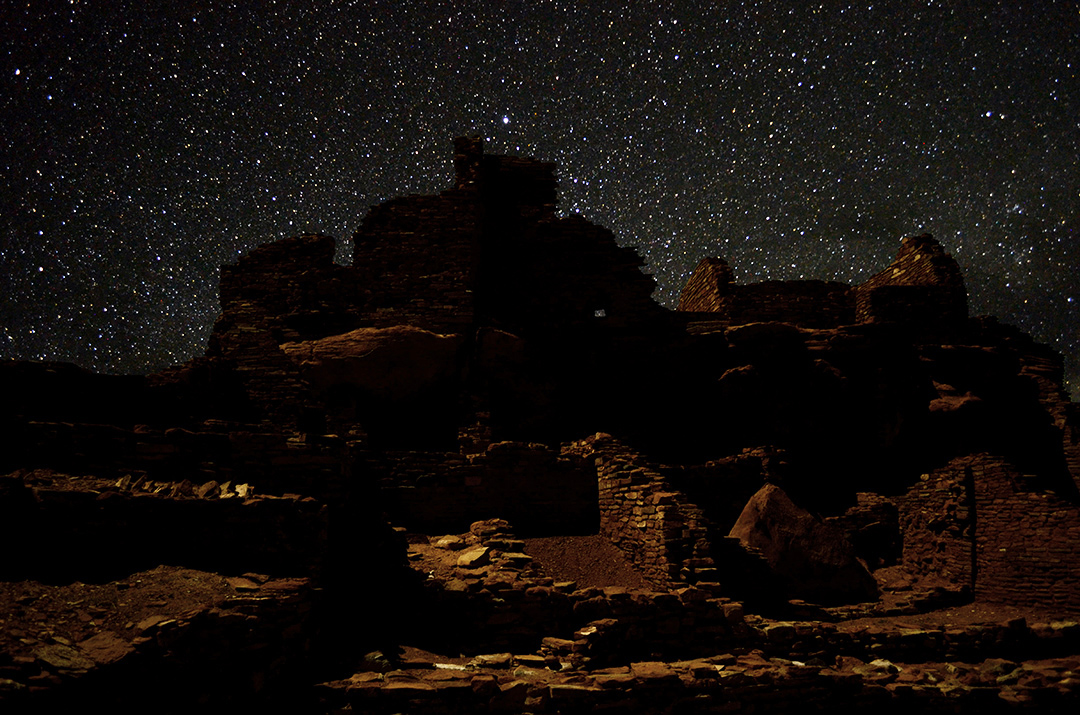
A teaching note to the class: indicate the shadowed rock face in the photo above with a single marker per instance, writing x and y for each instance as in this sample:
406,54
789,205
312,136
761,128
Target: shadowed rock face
392,363
814,559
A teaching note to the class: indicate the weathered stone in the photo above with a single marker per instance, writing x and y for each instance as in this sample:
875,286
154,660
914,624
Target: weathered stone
815,560
493,660
451,543
106,647
474,558
391,363
63,657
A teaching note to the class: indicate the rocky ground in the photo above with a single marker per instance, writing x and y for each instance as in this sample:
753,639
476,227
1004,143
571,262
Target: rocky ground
248,634
154,629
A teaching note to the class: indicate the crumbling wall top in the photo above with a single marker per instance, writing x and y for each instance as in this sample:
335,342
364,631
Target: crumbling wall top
511,180
922,285
710,280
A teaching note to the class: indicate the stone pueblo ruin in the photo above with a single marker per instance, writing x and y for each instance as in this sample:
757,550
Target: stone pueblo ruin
480,470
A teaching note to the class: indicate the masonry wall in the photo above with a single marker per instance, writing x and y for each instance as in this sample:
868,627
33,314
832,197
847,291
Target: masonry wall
573,275
937,519
1045,368
661,532
720,487
1026,540
922,285
533,487
285,291
1071,438
273,462
809,303
872,525
978,522
93,529
709,284
417,258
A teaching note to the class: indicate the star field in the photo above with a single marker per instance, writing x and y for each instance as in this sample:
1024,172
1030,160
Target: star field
145,145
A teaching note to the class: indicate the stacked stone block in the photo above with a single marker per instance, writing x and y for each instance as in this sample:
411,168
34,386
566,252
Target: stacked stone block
417,258
93,528
922,285
661,532
978,521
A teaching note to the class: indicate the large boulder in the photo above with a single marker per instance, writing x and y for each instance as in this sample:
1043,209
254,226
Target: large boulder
813,559
392,363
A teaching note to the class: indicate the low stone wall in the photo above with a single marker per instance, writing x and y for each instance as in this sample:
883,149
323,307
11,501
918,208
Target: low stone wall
91,529
535,488
275,463
661,532
976,521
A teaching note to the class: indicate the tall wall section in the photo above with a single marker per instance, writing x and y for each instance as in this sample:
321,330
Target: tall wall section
709,285
977,522
922,285
418,258
659,530
282,291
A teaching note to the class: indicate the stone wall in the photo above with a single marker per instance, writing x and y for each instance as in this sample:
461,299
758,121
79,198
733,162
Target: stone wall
661,532
709,285
721,487
1046,369
532,486
274,463
978,521
417,258
285,291
922,285
94,529
574,276
1071,438
872,526
622,650
808,303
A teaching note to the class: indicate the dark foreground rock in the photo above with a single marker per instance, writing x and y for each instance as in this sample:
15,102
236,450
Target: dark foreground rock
814,559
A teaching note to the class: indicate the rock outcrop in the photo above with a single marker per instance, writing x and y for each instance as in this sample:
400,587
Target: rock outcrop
395,363
813,558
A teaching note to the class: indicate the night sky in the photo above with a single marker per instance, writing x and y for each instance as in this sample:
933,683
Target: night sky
145,144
